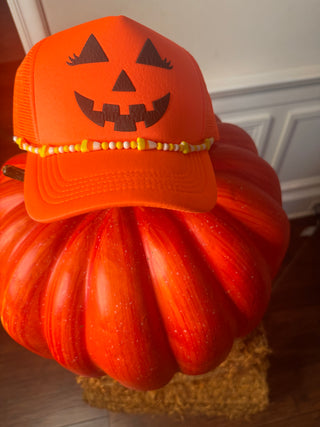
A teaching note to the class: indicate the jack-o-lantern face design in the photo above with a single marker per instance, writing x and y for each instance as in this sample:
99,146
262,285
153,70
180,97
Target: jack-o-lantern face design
92,52
117,85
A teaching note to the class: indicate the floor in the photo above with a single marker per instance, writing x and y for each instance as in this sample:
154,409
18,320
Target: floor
38,392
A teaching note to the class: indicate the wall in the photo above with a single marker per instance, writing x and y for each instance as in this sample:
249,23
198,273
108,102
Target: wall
260,59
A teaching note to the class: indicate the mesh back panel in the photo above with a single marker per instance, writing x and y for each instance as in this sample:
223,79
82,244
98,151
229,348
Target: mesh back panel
24,122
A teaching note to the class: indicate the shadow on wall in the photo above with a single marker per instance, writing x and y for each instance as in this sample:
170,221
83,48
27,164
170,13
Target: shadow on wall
11,54
10,45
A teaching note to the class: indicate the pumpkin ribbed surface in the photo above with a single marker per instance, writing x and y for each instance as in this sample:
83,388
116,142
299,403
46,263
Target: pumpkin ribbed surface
140,293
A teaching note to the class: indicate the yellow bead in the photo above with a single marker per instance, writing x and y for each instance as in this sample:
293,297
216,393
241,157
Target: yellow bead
133,144
170,147
84,146
77,147
159,146
19,141
56,150
42,151
141,144
119,145
66,149
104,145
207,143
184,147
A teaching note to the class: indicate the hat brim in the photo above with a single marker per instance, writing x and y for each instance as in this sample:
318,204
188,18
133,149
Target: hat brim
61,186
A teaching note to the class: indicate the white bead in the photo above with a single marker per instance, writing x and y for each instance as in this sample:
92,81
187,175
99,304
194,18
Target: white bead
112,145
192,147
152,144
71,148
165,146
15,138
50,150
25,146
36,150
96,145
60,149
176,147
30,148
126,145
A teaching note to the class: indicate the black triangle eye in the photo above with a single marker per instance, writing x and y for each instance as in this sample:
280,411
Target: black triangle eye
92,52
150,56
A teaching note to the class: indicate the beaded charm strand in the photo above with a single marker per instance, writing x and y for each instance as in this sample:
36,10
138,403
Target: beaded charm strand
139,144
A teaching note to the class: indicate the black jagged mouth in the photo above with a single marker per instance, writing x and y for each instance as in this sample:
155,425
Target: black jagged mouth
123,122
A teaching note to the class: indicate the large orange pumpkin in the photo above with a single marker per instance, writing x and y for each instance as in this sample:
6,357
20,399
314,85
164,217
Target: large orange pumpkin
140,293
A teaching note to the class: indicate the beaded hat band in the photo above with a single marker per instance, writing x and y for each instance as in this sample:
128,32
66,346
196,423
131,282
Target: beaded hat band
139,144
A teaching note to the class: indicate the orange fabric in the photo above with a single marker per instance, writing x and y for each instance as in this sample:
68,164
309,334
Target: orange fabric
64,92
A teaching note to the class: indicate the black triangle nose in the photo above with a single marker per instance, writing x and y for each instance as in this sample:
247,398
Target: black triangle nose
123,83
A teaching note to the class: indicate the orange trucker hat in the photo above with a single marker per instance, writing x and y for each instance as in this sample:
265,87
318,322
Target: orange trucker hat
112,113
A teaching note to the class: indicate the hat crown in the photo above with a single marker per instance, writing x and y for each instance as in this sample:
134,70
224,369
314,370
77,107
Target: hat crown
111,79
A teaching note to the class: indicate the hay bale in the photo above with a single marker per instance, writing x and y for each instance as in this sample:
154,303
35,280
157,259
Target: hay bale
236,389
